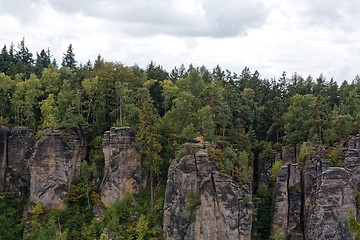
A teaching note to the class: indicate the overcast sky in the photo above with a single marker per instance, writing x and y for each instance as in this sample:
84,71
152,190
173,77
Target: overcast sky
271,36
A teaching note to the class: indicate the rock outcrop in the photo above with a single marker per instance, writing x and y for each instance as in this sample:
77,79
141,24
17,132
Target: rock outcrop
56,161
21,143
312,200
15,151
287,203
4,132
352,160
123,171
201,203
335,199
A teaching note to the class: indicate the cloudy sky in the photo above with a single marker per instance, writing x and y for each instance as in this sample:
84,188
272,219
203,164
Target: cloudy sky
271,36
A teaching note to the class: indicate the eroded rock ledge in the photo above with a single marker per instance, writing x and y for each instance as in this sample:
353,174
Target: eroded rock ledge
123,171
201,203
312,200
54,164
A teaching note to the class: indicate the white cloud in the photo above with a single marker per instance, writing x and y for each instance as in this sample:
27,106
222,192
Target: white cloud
307,36
213,18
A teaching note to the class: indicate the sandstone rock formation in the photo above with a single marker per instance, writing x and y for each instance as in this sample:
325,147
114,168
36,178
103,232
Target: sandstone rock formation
123,171
4,132
20,147
312,200
56,161
287,203
335,199
352,160
15,151
201,203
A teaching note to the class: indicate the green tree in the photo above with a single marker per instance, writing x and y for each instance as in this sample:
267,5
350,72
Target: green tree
212,96
169,91
193,83
24,59
299,121
205,123
262,213
49,112
7,87
42,61
148,138
182,113
69,58
5,61
25,102
50,80
11,226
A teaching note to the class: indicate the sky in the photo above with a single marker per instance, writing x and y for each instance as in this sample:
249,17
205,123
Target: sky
309,37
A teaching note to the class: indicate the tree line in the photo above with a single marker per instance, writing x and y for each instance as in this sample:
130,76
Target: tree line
254,115
186,102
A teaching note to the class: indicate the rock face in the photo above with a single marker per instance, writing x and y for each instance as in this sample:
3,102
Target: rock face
16,146
312,200
352,160
287,203
4,132
335,199
201,203
21,143
123,171
55,162
288,154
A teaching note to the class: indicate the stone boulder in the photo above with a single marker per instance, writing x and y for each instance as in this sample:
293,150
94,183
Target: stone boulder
201,203
56,161
123,170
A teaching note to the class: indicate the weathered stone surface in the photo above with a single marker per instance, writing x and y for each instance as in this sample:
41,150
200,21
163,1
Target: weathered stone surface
335,199
201,203
4,132
123,171
312,200
280,204
295,201
312,171
21,142
352,160
56,161
16,146
288,154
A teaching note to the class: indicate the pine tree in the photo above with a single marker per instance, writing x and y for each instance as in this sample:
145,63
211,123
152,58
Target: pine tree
69,58
42,61
4,60
24,59
148,138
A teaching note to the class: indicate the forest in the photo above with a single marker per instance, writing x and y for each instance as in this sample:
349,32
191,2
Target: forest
166,108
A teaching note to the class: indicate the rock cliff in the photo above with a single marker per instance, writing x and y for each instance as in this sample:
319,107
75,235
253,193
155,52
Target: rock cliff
123,171
56,161
4,132
201,203
15,151
312,200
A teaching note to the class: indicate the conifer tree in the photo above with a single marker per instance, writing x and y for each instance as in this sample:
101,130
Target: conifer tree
24,59
69,58
148,138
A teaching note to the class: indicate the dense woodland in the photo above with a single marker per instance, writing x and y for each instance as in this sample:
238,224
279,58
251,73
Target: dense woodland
255,117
